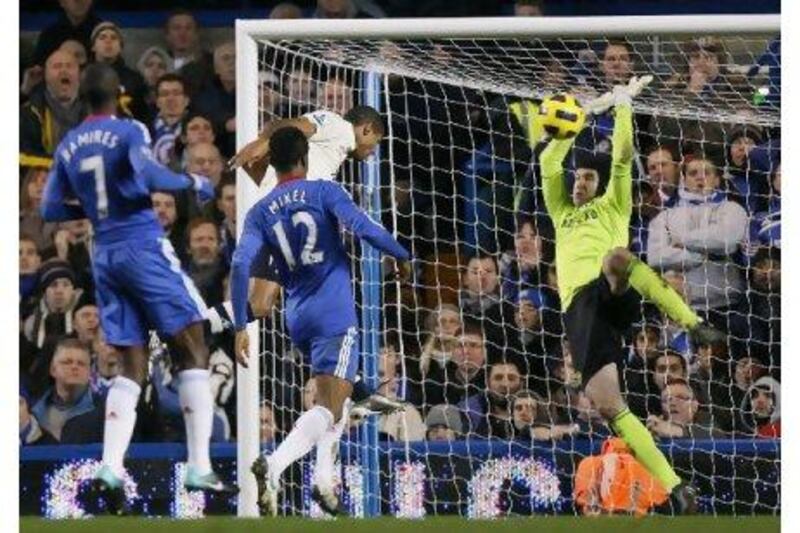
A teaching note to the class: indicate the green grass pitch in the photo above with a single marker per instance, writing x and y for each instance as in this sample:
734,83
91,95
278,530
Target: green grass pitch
690,524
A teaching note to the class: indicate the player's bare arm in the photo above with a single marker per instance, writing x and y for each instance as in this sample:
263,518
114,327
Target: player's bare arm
254,157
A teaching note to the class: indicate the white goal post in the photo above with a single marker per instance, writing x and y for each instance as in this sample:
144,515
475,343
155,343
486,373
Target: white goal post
249,33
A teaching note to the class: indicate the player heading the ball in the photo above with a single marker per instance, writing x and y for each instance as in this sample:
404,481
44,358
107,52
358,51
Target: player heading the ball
298,225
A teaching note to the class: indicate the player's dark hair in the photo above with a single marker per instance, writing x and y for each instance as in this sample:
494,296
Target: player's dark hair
99,86
364,114
287,147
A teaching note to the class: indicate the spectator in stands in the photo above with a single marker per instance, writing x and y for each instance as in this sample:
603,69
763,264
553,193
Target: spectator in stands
197,128
699,237
29,262
641,394
520,269
76,22
226,205
668,365
299,96
205,159
756,326
405,425
761,408
218,100
681,416
529,8
525,414
747,371
745,184
533,342
765,227
31,222
185,51
70,394
53,108
345,9
701,75
489,414
172,100
268,425
443,326
480,298
664,173
77,50
30,431
710,378
336,95
72,244
463,376
646,206
205,264
107,45
165,207
444,423
616,63
286,10
107,365
53,315
152,65
86,321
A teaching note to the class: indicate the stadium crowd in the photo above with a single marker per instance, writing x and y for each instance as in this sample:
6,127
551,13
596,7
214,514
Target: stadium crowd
480,353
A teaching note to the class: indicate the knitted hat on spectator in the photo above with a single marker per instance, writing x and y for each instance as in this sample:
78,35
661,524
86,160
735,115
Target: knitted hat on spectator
107,26
445,415
751,132
87,298
534,296
53,270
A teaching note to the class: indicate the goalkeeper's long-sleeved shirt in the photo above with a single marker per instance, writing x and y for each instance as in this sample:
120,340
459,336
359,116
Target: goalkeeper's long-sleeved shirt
585,234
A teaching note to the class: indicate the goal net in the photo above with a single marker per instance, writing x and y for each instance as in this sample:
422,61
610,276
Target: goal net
497,423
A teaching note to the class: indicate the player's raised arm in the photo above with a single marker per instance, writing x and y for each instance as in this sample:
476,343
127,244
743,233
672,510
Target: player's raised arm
551,164
620,180
251,241
357,221
254,157
59,202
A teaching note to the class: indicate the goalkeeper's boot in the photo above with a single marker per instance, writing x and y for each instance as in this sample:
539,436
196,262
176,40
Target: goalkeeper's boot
328,501
210,482
376,404
683,499
110,488
267,490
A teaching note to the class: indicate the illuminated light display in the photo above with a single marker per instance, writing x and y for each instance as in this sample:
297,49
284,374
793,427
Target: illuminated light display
62,488
487,483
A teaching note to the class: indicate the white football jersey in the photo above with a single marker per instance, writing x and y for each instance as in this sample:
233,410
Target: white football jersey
327,149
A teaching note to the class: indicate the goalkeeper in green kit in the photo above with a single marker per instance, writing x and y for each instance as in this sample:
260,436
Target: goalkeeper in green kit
598,278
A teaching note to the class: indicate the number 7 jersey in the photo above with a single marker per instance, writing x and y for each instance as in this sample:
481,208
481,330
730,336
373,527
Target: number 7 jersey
298,224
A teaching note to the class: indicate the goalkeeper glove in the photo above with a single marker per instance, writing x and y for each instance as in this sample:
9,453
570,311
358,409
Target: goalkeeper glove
620,94
202,186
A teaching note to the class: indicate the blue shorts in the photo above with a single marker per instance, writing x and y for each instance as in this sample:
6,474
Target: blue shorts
334,356
140,286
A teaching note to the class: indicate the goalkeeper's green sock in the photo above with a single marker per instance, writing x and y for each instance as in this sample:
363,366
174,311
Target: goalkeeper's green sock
654,288
640,441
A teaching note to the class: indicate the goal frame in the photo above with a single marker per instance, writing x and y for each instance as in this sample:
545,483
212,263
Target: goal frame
250,32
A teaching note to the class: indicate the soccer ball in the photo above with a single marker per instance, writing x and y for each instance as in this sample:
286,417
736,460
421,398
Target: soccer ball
562,116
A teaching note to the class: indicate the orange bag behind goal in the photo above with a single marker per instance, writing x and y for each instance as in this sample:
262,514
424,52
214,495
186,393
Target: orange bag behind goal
615,482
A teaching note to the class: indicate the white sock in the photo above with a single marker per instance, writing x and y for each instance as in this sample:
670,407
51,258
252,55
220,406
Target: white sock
326,450
308,430
120,420
198,415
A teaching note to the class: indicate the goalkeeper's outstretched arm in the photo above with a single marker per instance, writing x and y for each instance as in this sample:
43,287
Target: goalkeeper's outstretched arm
554,190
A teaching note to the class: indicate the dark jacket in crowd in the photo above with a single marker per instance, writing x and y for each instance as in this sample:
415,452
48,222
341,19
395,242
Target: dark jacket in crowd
62,30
